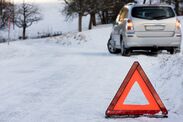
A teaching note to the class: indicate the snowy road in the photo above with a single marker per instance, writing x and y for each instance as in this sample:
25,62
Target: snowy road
44,81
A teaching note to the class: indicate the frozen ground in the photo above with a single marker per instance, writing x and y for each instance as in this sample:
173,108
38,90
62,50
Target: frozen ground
73,78
50,80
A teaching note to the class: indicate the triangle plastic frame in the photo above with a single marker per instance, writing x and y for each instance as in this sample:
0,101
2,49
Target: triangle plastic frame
160,112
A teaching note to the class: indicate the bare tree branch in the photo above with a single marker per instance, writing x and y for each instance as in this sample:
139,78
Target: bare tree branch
26,14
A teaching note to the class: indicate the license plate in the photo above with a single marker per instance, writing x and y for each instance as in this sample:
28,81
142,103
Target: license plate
154,27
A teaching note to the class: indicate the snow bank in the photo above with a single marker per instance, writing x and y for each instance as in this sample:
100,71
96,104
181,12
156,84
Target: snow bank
68,39
73,77
54,80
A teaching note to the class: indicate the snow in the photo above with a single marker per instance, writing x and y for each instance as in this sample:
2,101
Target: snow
73,77
47,80
134,93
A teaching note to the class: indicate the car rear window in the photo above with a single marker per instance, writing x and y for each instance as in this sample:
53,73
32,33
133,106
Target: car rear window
153,12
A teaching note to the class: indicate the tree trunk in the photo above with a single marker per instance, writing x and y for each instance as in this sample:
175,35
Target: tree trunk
177,7
150,2
107,17
144,2
90,22
103,17
100,15
23,33
80,22
94,19
1,7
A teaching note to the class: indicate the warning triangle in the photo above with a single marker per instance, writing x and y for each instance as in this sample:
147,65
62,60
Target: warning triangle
153,106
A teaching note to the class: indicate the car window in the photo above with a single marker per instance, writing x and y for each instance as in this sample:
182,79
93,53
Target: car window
154,12
122,15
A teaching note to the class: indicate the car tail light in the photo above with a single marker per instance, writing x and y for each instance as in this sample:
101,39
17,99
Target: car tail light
129,25
178,25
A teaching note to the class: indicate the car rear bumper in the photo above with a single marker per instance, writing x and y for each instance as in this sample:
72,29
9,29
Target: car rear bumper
174,41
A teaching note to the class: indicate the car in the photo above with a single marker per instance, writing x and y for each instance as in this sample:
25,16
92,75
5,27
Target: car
145,27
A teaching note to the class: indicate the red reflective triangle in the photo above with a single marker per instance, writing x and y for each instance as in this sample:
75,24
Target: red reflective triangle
155,105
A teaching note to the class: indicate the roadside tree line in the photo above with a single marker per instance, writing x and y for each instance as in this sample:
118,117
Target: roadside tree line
22,15
106,10
25,14
6,11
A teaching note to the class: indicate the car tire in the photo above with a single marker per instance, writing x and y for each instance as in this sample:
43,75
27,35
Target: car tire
154,51
172,51
124,51
111,48
178,50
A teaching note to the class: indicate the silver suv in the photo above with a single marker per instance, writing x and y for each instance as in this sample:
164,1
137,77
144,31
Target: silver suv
145,27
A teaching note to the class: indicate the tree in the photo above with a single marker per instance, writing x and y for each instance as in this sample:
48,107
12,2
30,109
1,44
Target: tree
177,6
175,3
2,6
74,7
25,15
144,2
109,9
92,7
6,13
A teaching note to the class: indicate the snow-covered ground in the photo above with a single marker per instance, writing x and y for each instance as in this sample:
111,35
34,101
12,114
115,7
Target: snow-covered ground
73,78
51,80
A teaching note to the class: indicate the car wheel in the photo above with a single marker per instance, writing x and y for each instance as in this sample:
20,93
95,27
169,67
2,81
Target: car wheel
178,50
154,51
111,48
124,51
174,50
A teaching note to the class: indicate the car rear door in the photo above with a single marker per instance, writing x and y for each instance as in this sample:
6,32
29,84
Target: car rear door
151,21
